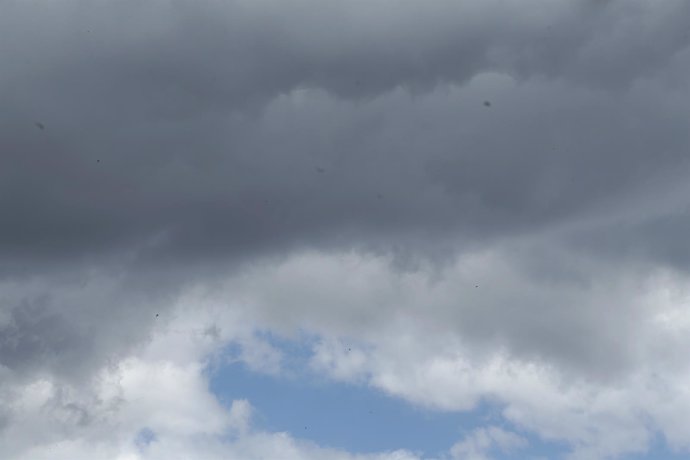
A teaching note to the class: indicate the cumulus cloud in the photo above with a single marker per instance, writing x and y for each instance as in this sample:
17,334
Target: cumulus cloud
480,442
153,406
487,199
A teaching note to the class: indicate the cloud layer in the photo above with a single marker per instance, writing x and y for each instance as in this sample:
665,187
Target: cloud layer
461,201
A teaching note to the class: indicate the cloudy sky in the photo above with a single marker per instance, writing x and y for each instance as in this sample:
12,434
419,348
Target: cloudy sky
344,230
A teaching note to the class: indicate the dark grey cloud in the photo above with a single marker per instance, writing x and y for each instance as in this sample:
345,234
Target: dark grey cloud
70,324
183,136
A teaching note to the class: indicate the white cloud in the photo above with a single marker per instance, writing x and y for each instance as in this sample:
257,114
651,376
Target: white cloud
103,419
416,344
421,351
480,444
408,333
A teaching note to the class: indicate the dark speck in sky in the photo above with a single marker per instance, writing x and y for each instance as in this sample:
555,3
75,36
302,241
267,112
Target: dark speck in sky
40,126
487,104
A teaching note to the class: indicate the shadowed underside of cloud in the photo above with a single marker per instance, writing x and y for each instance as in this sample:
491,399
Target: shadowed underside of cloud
490,197
198,133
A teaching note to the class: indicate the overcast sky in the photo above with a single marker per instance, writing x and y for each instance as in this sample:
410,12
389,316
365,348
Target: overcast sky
344,230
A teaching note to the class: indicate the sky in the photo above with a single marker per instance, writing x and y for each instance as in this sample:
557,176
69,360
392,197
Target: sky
344,230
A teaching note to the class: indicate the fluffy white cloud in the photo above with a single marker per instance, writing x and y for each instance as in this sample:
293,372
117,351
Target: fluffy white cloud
422,352
479,444
408,333
153,405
